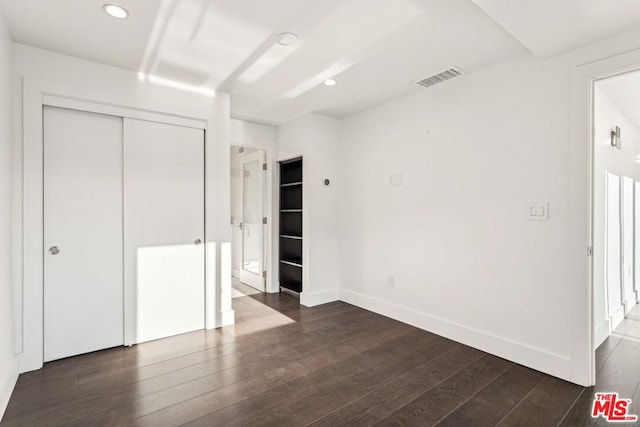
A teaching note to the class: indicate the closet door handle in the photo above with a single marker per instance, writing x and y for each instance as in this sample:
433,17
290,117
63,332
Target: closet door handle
53,250
197,242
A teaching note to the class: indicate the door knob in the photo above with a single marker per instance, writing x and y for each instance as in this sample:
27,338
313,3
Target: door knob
197,241
53,250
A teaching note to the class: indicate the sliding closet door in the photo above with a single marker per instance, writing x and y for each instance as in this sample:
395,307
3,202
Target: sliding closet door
83,286
163,229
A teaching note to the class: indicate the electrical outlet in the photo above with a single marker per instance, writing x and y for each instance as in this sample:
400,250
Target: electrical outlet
391,282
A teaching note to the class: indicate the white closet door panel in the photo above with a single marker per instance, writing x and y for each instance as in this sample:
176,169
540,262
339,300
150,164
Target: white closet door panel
83,285
164,217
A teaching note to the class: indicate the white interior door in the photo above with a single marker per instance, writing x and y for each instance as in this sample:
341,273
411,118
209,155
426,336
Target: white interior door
164,230
615,309
628,293
83,287
251,267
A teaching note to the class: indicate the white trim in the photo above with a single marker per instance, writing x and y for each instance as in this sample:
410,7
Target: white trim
235,273
111,110
581,209
8,380
629,302
32,230
536,358
311,299
601,332
36,93
248,277
617,317
271,285
225,318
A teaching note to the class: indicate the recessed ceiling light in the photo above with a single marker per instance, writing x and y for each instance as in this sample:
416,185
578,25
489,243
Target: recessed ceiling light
116,11
287,39
330,82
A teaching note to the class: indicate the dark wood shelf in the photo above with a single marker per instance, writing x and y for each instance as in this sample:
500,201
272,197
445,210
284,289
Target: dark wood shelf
291,237
291,213
293,264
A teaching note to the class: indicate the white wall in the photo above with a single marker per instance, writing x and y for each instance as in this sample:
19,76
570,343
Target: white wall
467,262
317,139
248,134
123,87
623,162
8,361
474,152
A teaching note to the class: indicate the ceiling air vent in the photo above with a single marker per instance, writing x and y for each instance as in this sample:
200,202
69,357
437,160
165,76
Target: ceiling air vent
441,77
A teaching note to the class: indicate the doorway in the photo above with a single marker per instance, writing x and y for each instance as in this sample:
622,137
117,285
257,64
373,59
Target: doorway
248,220
616,205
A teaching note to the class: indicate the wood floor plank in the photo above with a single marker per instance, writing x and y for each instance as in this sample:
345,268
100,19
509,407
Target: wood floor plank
160,350
213,359
619,373
546,405
393,395
508,389
281,360
210,402
332,365
219,372
433,405
580,413
142,355
329,388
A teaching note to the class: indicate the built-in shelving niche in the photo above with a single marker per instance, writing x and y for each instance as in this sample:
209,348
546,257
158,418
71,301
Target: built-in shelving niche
291,225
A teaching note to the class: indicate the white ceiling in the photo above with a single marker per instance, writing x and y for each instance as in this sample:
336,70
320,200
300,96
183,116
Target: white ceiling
624,92
552,27
81,28
376,49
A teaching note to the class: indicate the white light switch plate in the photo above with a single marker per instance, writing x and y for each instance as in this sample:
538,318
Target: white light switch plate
538,212
395,179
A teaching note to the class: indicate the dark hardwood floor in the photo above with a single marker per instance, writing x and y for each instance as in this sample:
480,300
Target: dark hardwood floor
283,364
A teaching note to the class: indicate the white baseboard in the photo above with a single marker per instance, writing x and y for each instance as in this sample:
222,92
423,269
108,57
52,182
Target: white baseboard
235,273
8,380
521,353
225,318
601,331
617,317
311,299
630,302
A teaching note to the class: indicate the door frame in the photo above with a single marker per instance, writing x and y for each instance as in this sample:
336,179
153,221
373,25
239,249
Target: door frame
260,156
581,207
37,93
270,262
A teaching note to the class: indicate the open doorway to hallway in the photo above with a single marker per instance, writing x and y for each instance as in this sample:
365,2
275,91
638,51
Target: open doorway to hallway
248,220
616,203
